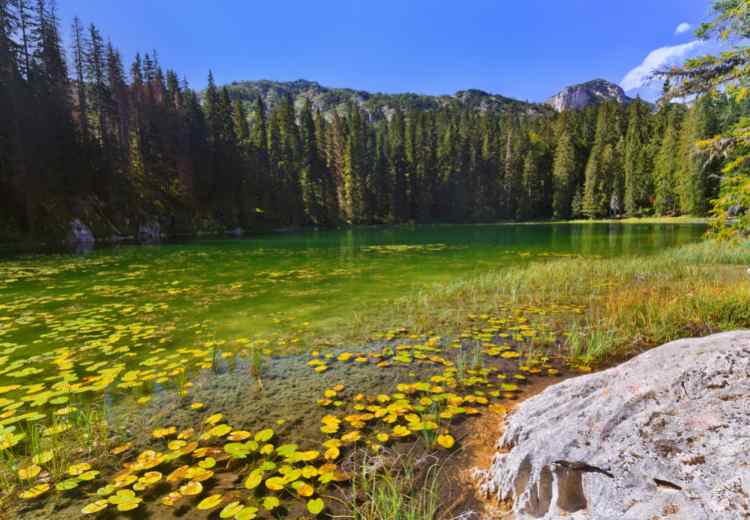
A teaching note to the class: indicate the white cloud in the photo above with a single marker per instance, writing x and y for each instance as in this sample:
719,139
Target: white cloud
683,28
659,58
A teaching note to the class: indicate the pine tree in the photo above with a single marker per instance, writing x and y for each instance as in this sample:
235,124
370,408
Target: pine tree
328,182
449,193
79,64
287,164
241,124
10,138
576,205
697,171
596,191
311,175
665,193
25,27
354,169
200,153
533,186
515,151
428,174
564,173
381,181
485,192
397,167
261,165
637,164
145,147
59,166
120,99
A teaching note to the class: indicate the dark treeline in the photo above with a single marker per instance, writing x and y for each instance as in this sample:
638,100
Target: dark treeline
82,137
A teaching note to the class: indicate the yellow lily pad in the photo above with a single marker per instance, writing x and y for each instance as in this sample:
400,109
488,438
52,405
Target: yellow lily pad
210,502
192,488
95,507
29,472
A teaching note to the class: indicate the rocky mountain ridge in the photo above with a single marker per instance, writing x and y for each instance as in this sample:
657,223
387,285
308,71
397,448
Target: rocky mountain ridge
582,95
381,105
377,105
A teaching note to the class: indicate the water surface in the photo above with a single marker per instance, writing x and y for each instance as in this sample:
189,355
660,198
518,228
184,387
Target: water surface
250,286
151,337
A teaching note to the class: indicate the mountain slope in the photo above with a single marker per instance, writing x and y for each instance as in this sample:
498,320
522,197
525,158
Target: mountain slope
586,94
378,105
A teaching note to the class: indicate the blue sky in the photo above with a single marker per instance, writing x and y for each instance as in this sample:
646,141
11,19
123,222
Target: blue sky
527,49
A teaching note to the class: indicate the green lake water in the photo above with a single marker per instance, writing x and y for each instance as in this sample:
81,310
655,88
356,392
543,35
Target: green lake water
87,319
274,284
157,336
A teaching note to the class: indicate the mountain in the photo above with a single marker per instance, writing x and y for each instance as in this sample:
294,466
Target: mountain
378,105
586,94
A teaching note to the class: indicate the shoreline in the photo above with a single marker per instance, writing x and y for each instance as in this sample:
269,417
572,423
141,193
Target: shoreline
29,245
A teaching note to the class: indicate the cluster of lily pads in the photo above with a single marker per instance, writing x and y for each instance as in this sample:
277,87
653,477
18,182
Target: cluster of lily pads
66,344
406,248
428,407
181,470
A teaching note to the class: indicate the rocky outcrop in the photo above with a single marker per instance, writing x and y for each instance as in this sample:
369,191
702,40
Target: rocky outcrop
80,234
377,105
235,232
149,232
583,95
665,435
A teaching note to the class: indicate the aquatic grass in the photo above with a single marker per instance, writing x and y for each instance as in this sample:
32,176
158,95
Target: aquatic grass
460,364
8,476
395,493
428,437
83,434
628,303
477,360
590,345
256,365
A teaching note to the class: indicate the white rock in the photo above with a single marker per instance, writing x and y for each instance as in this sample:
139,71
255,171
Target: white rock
580,96
80,234
665,435
235,232
149,232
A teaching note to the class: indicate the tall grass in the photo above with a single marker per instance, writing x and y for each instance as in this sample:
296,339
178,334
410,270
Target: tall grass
395,494
630,303
86,438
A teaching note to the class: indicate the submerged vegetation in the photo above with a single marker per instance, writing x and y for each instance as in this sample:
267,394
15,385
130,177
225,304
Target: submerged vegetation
214,464
628,303
427,364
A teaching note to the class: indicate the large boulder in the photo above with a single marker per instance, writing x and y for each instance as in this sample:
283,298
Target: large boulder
149,232
665,435
80,234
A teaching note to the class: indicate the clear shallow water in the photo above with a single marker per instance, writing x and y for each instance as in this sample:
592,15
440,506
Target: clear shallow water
123,327
159,306
256,286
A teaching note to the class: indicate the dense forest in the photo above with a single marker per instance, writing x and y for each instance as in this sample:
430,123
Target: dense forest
81,137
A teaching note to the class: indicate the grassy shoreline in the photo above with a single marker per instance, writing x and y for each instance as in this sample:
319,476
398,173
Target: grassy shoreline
11,244
630,304
683,219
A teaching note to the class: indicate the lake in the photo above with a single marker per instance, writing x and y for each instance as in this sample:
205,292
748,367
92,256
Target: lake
271,286
119,325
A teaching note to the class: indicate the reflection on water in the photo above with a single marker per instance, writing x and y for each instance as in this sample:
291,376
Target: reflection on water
131,298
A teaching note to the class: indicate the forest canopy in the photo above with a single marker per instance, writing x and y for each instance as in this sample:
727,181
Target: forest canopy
83,136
